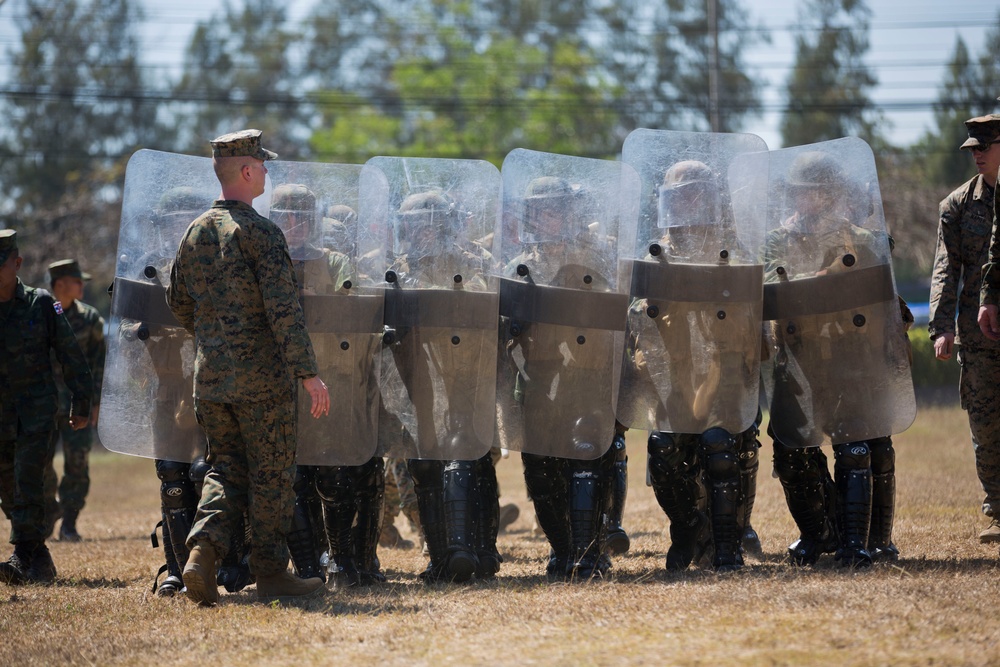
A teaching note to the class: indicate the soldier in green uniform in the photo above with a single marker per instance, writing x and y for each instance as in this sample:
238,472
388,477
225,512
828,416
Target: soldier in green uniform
233,288
66,279
32,326
962,250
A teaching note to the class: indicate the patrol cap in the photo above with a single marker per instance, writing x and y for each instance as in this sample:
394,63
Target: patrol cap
983,131
66,268
8,244
245,143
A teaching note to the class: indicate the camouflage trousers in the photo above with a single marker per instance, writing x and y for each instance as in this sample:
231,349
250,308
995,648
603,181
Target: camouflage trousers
75,484
251,448
980,391
399,493
22,471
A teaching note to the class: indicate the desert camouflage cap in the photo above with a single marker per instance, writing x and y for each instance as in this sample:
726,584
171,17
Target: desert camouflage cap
240,144
8,244
66,268
983,131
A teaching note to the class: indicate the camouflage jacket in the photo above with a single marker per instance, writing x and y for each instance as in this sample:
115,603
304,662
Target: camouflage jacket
963,240
232,286
88,325
32,330
990,292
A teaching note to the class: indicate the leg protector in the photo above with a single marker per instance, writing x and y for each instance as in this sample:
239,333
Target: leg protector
428,484
852,473
336,488
678,489
720,462
179,502
461,496
172,584
303,545
589,498
810,495
488,525
880,544
234,568
748,448
369,496
618,541
545,480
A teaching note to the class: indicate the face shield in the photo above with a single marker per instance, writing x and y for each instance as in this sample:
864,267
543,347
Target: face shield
552,217
690,213
293,210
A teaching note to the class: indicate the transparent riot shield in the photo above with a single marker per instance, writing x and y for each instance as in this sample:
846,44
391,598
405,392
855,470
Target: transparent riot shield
562,301
424,227
344,317
147,405
695,279
837,368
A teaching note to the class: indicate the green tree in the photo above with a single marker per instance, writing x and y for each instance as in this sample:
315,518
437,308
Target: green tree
238,72
828,88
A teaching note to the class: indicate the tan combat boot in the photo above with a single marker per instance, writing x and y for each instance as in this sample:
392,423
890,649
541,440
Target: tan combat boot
199,576
991,533
285,586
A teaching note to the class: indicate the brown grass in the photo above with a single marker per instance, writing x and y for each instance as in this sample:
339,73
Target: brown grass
937,606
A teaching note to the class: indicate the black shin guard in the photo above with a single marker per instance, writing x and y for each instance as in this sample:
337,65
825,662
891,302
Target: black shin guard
302,538
172,583
749,462
335,486
545,480
488,525
618,541
589,498
179,503
852,475
369,496
460,515
234,569
810,496
880,544
721,471
675,476
428,484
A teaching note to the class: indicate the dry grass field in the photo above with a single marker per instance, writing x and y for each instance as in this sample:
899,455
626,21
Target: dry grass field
937,606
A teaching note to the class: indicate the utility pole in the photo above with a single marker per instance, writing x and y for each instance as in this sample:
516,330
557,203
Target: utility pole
712,15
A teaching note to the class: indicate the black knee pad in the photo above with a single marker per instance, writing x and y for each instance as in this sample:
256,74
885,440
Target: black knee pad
426,473
852,456
544,476
799,464
717,447
176,488
883,456
199,468
333,483
666,450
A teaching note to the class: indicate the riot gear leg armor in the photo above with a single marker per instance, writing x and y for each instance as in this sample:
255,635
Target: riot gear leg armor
880,544
618,541
717,448
460,506
489,519
852,474
810,495
178,502
369,496
748,448
335,486
545,480
675,477
428,483
589,498
302,542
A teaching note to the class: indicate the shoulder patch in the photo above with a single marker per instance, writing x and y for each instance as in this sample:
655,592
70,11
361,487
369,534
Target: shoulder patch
58,307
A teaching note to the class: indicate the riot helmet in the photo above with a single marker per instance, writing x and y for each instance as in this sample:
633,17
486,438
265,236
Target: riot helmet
689,206
176,210
817,186
340,228
426,224
553,211
293,210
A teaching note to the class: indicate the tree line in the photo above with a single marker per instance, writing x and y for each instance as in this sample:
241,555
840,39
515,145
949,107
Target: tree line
443,78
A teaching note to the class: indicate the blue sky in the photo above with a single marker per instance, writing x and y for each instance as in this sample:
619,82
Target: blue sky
911,40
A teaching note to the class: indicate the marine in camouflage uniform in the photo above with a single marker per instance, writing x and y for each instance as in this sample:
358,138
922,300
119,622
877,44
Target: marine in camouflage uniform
66,280
31,328
962,250
233,288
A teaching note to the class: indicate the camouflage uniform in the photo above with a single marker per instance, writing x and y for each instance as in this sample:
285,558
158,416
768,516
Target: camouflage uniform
400,497
88,326
32,327
963,240
252,344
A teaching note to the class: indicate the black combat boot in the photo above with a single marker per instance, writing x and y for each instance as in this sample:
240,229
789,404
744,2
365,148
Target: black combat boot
14,572
234,568
67,529
41,570
172,584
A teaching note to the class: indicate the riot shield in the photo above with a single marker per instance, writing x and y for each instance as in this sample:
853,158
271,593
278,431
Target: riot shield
424,223
344,317
838,369
695,279
562,301
147,399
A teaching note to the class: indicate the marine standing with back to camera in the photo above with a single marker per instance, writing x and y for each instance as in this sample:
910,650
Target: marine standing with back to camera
232,287
31,327
963,241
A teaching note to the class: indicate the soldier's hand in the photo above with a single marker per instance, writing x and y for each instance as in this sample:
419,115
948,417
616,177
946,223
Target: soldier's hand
319,395
988,321
943,345
77,423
